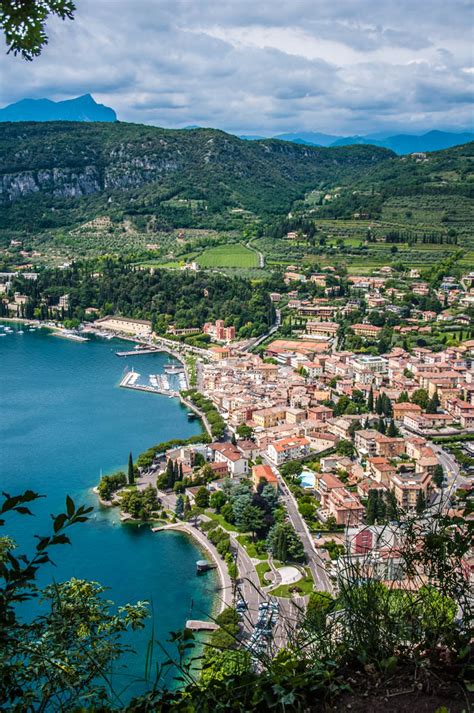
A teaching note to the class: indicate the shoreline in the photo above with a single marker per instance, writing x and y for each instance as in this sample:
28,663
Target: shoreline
201,540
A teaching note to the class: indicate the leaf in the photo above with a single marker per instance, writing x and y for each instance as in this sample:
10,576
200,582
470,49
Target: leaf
59,521
70,506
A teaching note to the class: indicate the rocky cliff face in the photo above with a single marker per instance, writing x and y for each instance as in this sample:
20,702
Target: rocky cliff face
58,182
71,160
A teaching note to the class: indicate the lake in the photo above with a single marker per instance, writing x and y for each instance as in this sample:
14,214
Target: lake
63,420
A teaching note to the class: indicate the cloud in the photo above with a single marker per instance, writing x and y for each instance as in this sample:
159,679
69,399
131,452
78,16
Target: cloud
256,66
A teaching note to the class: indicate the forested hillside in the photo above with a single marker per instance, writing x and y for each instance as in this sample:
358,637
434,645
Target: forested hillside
68,173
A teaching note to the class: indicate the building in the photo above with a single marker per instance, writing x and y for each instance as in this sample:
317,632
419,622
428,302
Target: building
264,472
125,325
64,302
366,441
226,453
290,448
218,331
321,329
405,409
369,331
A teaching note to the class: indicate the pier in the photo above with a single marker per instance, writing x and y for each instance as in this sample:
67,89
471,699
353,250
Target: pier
197,625
137,352
129,381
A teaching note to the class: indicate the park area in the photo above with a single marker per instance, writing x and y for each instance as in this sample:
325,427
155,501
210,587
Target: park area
233,255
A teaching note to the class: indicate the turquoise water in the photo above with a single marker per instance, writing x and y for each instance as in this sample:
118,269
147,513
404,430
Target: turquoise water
63,419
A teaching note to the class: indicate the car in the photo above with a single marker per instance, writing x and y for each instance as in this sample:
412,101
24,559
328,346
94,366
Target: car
264,605
241,605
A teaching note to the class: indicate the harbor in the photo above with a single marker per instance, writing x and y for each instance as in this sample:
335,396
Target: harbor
157,383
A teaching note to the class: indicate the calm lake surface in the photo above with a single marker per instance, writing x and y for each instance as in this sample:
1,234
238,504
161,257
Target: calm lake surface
63,419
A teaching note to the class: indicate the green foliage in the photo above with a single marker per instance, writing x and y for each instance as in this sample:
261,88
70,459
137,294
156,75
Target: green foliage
59,660
284,543
205,405
185,183
140,504
345,448
420,397
109,484
183,298
217,500
131,470
24,23
202,498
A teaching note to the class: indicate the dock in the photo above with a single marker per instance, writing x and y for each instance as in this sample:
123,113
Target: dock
137,352
129,381
197,625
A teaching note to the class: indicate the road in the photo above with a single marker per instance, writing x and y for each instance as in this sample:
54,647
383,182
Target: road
250,344
261,257
315,561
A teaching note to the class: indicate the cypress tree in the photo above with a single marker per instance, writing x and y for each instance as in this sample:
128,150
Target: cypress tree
179,508
370,400
392,429
381,426
371,510
131,472
170,473
379,405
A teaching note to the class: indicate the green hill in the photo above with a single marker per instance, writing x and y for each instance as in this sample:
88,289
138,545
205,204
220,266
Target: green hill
181,178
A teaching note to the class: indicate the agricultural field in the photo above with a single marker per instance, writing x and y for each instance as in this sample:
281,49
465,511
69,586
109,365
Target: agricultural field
233,255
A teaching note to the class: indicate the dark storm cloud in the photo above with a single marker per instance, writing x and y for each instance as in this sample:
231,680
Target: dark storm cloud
257,66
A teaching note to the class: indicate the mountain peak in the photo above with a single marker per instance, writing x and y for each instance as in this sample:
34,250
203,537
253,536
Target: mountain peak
83,108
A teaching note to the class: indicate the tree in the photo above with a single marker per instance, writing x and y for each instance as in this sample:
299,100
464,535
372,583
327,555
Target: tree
355,426
245,431
270,496
345,448
46,660
403,398
24,23
170,474
202,498
179,507
433,404
420,397
131,471
392,430
379,405
252,520
438,476
370,400
284,543
217,500
227,512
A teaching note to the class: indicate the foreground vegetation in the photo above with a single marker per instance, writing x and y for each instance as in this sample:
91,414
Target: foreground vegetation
372,637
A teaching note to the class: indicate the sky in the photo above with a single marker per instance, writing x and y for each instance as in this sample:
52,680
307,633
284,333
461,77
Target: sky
262,66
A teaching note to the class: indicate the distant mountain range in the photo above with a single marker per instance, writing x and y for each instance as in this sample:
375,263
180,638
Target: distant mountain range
83,108
400,143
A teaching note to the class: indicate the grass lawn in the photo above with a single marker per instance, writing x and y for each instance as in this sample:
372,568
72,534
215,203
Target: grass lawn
246,542
222,522
234,255
305,585
262,568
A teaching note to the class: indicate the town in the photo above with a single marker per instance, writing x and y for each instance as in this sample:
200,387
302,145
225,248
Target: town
351,415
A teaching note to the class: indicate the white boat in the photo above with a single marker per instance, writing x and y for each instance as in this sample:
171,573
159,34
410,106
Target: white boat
2,334
20,331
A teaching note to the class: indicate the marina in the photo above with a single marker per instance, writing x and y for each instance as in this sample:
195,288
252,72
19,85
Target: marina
159,384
